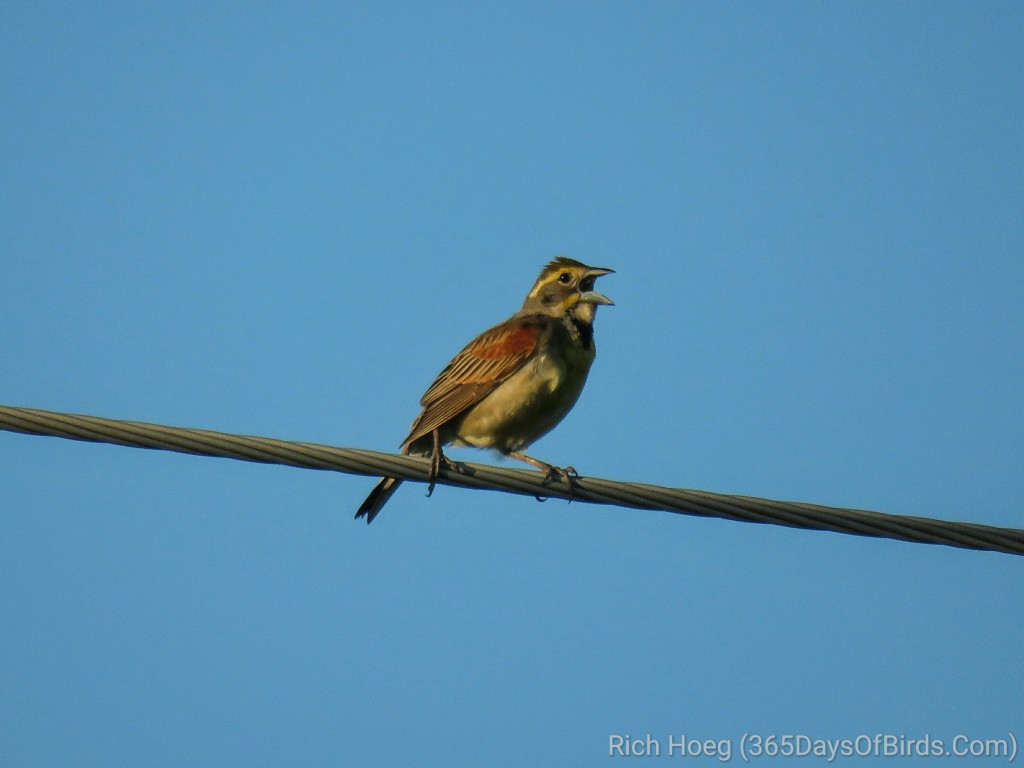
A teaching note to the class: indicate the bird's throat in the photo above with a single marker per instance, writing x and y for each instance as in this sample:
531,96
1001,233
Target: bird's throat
583,329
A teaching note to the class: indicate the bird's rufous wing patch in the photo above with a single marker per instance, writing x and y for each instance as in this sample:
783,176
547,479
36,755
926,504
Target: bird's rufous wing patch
508,342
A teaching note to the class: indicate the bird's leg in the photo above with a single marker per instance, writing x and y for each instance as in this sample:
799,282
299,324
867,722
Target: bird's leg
437,459
550,470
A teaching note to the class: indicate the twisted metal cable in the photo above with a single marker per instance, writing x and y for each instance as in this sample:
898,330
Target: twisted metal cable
525,482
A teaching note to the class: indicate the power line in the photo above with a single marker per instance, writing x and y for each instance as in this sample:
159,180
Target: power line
749,509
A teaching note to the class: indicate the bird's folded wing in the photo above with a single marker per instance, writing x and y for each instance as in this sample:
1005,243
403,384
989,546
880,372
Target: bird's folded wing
487,361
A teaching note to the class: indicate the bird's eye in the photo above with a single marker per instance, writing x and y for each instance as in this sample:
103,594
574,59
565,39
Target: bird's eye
564,278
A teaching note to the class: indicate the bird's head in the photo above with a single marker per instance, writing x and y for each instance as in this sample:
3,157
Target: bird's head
565,286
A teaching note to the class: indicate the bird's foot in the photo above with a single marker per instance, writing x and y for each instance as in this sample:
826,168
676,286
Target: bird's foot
551,472
437,460
435,471
566,475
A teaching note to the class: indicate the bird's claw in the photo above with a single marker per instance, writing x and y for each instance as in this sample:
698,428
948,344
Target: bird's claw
566,475
435,471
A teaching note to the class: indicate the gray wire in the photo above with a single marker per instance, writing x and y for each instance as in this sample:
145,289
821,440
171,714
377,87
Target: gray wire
749,509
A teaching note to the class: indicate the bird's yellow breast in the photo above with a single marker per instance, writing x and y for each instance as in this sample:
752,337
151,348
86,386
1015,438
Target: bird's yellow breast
529,404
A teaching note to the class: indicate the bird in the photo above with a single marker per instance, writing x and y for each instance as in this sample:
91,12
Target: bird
513,383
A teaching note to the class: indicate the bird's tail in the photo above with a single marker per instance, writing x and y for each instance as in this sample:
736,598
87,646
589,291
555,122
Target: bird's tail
378,498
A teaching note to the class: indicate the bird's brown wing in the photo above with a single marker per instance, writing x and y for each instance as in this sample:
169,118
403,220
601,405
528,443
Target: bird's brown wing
491,358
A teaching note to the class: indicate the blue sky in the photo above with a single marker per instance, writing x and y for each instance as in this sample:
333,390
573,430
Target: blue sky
284,220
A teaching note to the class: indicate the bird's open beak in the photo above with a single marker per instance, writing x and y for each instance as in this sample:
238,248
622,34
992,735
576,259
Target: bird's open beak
593,297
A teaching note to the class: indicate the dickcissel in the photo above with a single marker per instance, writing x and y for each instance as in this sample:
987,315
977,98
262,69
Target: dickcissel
512,384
